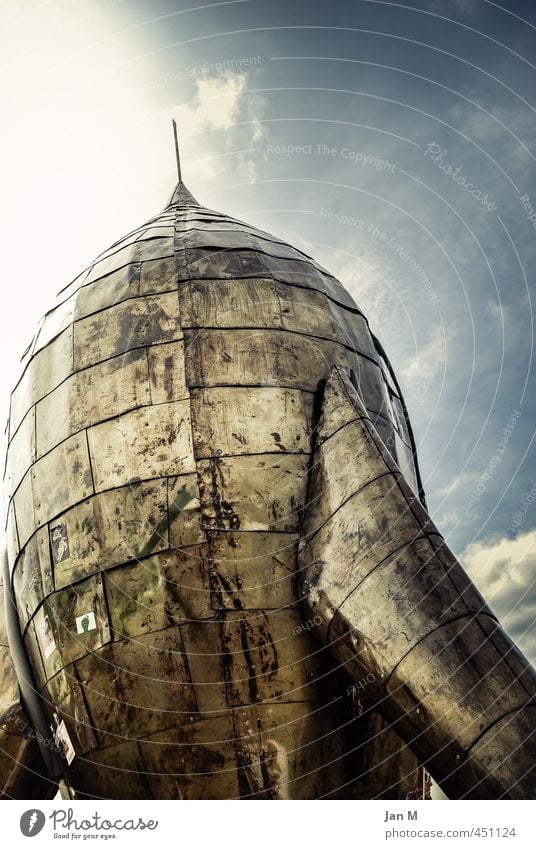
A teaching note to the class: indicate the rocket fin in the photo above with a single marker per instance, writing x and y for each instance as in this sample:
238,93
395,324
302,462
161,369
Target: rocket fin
397,610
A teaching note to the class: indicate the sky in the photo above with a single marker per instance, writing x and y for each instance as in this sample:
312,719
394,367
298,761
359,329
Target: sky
394,142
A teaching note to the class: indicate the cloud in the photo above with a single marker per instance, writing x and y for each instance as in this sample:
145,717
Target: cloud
220,103
504,570
430,359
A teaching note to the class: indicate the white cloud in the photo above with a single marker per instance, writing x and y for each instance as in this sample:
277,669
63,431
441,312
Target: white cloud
430,359
504,570
221,102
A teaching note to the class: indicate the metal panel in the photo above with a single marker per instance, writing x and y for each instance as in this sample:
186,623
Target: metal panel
54,323
269,656
158,276
89,396
159,591
108,291
230,303
79,619
21,453
137,252
43,373
66,699
58,480
404,613
185,527
231,357
132,324
166,372
33,579
354,329
135,688
233,420
12,537
251,571
114,772
253,493
461,680
148,443
195,761
108,529
357,538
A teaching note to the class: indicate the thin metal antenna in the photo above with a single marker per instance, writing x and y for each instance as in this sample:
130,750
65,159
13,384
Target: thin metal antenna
177,149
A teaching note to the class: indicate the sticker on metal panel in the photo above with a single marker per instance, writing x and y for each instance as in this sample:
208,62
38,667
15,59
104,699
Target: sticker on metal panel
64,741
46,637
59,542
86,623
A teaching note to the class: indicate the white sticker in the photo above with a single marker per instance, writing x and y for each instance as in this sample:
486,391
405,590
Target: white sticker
46,637
63,740
86,623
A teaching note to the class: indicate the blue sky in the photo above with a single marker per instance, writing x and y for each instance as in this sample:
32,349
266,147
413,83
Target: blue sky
392,141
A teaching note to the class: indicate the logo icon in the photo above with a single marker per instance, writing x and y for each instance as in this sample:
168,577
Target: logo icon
31,822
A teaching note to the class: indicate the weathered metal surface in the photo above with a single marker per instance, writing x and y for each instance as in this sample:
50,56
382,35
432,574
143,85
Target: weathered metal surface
157,492
109,529
436,660
108,291
56,481
42,374
90,396
148,443
122,327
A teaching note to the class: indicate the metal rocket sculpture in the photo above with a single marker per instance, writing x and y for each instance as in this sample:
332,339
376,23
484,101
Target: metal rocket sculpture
222,580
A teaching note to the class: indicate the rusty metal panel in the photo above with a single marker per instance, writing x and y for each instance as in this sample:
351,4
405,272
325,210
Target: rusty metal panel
185,527
158,275
66,699
114,772
460,679
136,252
79,620
166,372
270,656
148,443
208,665
137,687
21,453
156,592
89,396
42,374
230,303
59,479
108,529
108,291
132,324
252,571
33,578
253,493
233,420
354,329
195,761
404,613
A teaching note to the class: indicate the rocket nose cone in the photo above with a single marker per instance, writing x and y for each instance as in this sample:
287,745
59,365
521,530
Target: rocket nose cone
182,197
